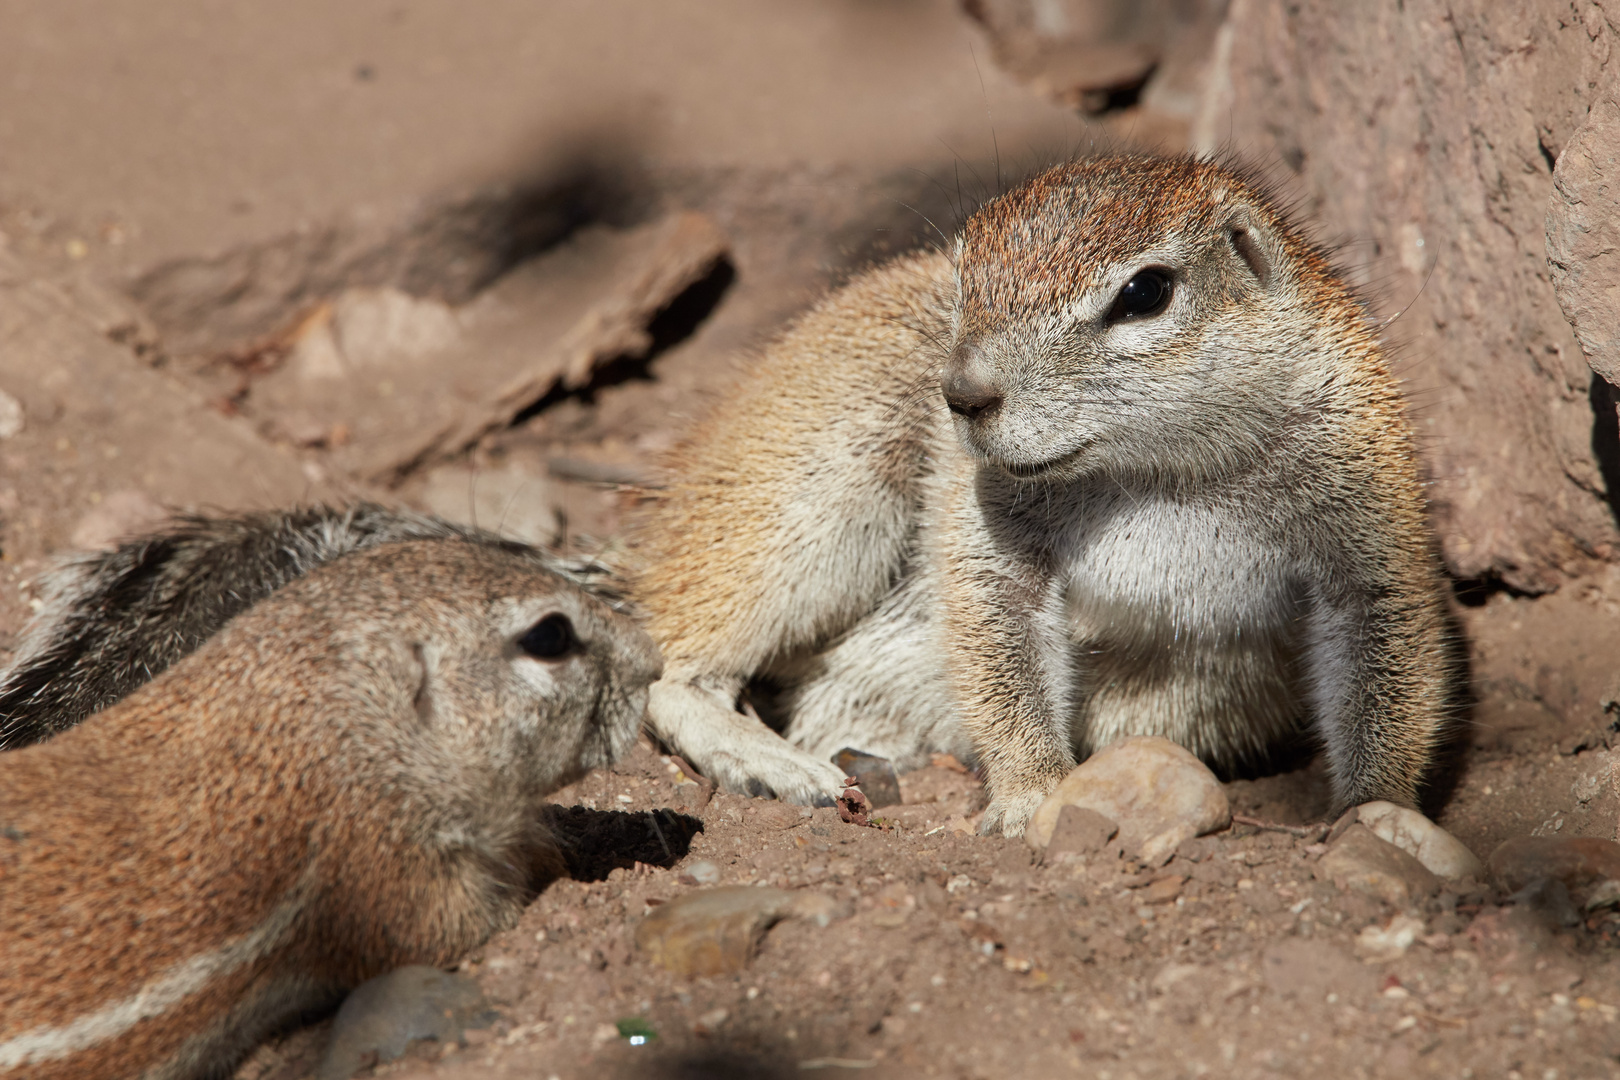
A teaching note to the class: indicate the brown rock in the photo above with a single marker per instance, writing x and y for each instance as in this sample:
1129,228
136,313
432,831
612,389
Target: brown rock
95,421
1439,851
1164,890
1426,131
1583,233
654,265
1363,863
1079,831
1158,793
1579,862
694,797
874,775
717,931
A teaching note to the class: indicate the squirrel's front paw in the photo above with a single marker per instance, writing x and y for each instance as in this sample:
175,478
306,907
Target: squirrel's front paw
1009,814
778,772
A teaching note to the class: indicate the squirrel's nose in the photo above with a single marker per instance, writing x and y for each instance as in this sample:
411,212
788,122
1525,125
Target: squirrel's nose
970,396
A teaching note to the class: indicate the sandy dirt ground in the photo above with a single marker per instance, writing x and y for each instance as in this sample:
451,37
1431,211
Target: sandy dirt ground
489,260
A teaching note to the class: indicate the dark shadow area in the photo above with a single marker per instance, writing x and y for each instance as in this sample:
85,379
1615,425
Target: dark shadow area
1116,98
238,302
1606,439
1286,755
683,315
673,324
1476,592
1451,746
495,232
1547,154
594,843
717,1064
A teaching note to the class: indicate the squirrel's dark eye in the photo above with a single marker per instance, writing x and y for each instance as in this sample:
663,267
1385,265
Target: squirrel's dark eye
1148,293
551,637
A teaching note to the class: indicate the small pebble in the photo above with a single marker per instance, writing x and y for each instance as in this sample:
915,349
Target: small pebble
717,931
702,872
1390,942
874,775
1164,890
12,419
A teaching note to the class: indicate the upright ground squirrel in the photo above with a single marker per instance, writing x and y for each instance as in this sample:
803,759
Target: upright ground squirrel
1127,459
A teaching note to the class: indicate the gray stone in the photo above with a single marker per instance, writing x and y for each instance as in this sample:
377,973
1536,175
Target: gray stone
1159,794
381,1018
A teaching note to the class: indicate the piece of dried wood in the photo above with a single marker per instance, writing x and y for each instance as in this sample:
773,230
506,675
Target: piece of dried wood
673,255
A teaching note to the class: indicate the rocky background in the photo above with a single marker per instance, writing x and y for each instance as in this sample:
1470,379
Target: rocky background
488,259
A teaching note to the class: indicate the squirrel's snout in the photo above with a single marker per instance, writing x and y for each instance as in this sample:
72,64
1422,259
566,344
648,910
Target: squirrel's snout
969,395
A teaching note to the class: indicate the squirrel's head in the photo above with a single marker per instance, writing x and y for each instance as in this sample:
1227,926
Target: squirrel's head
1134,316
471,659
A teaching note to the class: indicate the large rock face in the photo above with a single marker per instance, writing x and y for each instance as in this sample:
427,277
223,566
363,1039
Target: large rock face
1422,136
1583,231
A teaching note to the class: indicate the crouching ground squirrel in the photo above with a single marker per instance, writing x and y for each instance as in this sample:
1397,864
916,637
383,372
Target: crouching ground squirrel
110,621
345,779
1128,459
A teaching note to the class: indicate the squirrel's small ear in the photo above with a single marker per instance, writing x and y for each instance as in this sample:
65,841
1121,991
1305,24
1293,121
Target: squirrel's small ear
423,663
1251,248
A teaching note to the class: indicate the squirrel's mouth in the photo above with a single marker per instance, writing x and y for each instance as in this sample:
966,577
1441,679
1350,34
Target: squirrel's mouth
1040,469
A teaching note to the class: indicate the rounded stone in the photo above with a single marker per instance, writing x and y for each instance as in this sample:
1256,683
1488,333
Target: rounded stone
1363,862
1157,792
1579,862
1441,853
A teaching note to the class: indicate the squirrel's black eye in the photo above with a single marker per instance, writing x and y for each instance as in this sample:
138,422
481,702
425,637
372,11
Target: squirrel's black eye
551,637
1148,293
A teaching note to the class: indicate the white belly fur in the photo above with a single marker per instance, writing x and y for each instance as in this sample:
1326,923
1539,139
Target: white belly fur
1183,621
